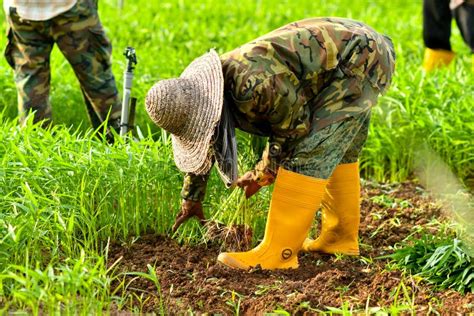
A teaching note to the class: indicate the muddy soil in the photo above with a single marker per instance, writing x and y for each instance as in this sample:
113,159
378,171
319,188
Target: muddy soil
191,280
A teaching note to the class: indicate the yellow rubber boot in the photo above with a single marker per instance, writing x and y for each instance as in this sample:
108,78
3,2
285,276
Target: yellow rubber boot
437,58
294,202
340,213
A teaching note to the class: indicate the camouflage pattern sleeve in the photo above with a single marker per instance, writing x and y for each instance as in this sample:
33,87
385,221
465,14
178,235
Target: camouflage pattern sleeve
194,187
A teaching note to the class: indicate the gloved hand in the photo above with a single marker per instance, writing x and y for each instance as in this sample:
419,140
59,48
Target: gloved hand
189,209
253,181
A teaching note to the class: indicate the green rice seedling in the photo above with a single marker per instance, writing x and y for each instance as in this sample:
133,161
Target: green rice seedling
306,306
280,311
153,277
263,289
234,301
440,260
64,197
402,297
75,284
345,309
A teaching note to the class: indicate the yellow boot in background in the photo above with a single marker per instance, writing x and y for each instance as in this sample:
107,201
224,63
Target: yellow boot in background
294,202
340,213
437,58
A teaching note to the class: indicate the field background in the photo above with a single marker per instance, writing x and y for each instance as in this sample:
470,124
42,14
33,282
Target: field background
419,109
66,195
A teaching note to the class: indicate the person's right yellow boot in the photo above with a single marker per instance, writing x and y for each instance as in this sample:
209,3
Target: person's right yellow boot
340,214
437,58
295,199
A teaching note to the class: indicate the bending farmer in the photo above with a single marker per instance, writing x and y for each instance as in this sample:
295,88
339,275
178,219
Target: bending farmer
74,25
308,86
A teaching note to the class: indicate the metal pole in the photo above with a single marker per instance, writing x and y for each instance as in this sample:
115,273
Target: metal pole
127,89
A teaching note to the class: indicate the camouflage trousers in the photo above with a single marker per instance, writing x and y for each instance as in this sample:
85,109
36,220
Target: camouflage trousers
80,36
319,153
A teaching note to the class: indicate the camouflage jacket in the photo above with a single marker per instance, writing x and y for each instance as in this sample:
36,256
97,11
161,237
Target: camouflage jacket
272,82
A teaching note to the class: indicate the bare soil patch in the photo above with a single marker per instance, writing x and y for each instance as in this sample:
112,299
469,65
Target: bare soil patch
192,280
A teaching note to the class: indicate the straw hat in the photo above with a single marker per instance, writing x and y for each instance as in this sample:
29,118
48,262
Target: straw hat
190,107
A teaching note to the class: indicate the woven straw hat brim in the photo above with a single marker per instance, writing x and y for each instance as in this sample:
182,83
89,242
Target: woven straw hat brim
192,150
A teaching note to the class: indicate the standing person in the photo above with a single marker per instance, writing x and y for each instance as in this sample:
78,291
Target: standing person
308,86
74,25
437,16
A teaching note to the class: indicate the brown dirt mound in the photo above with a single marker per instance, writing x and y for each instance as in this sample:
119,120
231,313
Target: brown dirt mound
191,280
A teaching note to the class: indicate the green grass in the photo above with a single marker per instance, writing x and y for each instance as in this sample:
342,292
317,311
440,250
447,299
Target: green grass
434,109
441,260
65,195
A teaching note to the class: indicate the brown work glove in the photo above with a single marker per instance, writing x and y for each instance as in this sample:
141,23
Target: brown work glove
189,209
252,181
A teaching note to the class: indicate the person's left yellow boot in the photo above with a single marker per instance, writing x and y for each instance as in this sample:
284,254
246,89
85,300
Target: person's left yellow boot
294,202
437,58
340,214
472,63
